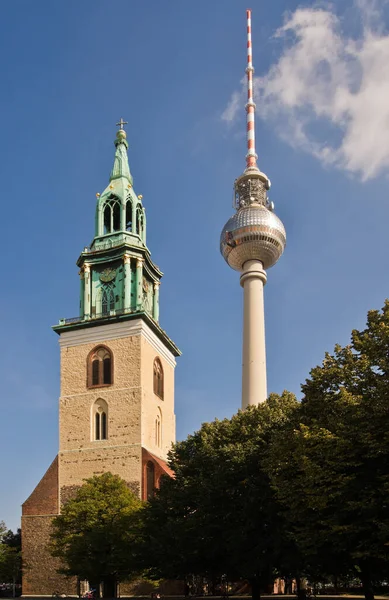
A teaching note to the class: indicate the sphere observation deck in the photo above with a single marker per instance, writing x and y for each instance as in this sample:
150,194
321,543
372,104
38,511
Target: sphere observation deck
254,232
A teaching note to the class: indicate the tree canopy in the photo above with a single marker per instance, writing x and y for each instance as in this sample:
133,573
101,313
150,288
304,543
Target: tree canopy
330,466
219,515
10,555
94,534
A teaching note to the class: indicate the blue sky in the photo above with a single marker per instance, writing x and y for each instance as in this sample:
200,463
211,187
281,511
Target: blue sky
173,69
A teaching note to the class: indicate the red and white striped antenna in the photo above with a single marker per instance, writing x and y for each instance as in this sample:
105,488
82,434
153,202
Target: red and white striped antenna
251,156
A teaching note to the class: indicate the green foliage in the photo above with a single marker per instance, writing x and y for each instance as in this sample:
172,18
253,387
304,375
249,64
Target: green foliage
10,555
330,467
94,534
219,514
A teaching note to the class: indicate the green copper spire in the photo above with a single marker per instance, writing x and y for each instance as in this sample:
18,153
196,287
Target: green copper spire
118,279
120,166
120,215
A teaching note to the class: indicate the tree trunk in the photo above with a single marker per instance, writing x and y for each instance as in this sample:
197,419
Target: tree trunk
336,585
213,585
255,588
301,590
367,584
109,587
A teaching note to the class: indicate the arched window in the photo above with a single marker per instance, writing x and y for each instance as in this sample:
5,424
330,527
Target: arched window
158,378
100,367
111,215
116,217
150,480
158,431
107,300
129,215
107,219
99,420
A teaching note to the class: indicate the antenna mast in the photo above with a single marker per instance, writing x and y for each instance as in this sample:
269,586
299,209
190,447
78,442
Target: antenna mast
251,156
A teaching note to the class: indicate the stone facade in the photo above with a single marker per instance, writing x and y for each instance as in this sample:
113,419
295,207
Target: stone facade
132,443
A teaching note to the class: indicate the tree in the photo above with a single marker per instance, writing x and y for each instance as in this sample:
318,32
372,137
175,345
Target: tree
219,514
10,556
94,534
330,467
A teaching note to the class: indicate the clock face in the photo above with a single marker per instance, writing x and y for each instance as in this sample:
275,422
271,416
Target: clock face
108,274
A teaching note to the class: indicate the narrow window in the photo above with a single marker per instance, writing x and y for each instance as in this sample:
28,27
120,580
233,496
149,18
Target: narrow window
100,420
107,219
99,367
111,300
116,217
158,438
103,426
95,371
104,302
107,300
107,369
150,480
129,215
158,378
97,426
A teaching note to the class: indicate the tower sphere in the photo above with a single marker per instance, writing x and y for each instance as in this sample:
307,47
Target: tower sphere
252,233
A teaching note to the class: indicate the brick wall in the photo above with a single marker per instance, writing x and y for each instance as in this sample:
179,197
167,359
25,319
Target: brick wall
44,499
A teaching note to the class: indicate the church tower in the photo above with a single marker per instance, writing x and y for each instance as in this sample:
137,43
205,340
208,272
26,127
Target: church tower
116,408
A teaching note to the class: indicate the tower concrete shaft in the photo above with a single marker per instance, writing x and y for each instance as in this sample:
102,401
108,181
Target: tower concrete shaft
254,384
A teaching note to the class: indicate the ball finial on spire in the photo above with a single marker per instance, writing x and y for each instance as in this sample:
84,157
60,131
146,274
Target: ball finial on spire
121,134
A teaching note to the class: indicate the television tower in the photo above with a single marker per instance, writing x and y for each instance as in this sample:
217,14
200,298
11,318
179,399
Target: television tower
252,240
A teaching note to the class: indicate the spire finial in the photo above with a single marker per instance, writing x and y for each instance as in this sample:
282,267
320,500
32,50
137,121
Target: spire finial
251,156
121,123
121,167
121,134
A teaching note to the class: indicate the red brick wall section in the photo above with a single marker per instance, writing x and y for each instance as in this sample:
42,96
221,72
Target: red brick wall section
44,499
40,575
160,468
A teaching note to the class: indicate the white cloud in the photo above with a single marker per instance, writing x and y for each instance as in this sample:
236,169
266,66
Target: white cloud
328,94
230,112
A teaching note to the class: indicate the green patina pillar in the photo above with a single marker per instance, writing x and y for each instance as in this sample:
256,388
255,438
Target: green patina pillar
138,283
133,207
156,301
144,225
86,291
127,281
123,217
81,273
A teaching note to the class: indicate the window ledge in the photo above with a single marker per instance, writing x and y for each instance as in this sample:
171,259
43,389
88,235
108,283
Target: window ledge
99,385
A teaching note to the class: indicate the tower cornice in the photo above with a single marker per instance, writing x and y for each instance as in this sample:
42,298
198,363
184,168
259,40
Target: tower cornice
78,324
